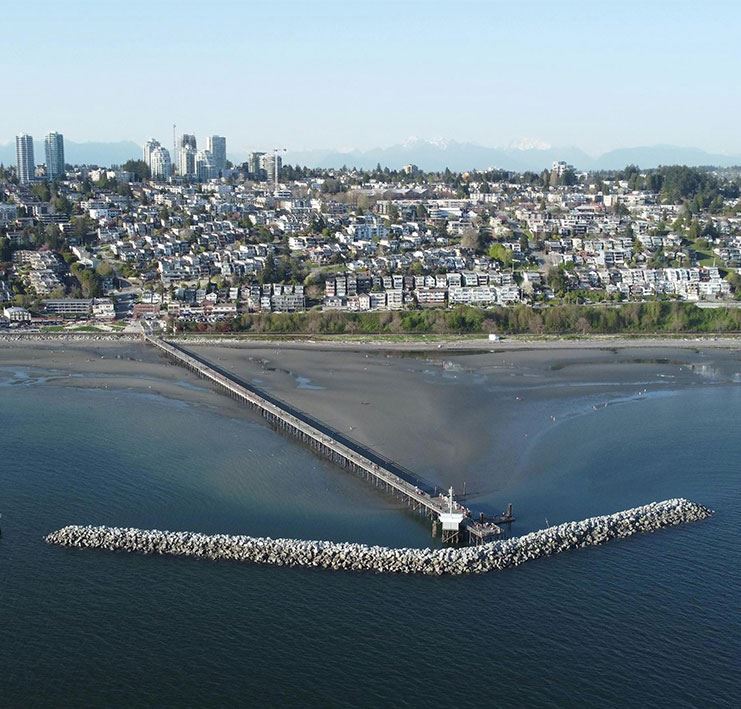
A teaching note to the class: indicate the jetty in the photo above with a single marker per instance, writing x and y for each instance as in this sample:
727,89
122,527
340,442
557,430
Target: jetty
491,556
455,522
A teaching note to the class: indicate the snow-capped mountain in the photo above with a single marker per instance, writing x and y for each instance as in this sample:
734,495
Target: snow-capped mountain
521,155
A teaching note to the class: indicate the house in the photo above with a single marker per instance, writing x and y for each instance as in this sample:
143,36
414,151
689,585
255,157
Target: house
103,309
14,314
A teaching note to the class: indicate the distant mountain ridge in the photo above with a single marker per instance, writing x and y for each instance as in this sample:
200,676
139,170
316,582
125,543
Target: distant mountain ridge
525,155
433,154
655,155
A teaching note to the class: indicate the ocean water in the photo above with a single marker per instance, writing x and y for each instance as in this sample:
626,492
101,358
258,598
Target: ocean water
650,621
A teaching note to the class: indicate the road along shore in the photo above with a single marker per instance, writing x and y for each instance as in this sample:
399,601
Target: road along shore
493,556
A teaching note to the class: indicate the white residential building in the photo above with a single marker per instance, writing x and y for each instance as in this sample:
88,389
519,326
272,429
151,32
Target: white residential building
204,166
160,164
149,147
216,145
25,163
187,166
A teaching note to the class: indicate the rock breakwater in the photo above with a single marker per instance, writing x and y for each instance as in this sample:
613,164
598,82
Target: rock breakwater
492,556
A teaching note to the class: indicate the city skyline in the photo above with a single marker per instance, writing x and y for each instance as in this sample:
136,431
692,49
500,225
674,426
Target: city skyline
348,76
183,157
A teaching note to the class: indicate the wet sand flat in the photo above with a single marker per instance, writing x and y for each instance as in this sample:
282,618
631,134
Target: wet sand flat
106,364
450,414
443,412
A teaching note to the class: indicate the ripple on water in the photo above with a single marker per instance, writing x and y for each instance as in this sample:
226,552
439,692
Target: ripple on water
651,621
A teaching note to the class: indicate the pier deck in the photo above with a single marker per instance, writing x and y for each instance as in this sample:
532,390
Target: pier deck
334,445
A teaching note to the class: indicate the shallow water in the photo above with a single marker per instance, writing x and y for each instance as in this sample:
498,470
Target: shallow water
651,621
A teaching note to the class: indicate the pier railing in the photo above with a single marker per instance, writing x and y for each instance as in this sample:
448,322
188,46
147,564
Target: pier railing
335,446
318,436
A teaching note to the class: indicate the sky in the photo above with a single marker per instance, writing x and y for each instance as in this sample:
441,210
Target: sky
343,74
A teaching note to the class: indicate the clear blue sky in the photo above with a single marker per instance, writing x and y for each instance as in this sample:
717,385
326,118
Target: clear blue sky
367,73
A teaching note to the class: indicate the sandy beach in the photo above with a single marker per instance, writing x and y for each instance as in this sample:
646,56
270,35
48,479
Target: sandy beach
452,412
445,413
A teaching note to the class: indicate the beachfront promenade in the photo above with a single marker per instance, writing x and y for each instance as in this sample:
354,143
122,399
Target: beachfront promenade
456,521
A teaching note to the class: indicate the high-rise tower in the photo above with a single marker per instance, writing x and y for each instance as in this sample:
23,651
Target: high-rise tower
216,145
149,148
205,166
25,164
272,164
187,158
160,164
255,164
54,148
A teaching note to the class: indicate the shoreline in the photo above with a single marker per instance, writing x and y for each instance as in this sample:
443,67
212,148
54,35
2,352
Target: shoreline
465,416
406,342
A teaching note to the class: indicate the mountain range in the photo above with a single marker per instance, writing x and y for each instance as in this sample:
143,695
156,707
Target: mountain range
435,154
526,155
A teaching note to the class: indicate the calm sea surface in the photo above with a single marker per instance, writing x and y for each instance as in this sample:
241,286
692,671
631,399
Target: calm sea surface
651,621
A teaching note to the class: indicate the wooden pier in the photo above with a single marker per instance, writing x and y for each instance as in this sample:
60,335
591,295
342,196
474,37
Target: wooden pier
339,449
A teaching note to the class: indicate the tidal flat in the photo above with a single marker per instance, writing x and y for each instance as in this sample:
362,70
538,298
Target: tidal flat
108,433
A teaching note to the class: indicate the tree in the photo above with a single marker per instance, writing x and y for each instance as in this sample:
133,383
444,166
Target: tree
501,254
82,227
568,178
694,230
89,280
734,279
41,191
104,269
53,237
331,186
62,205
710,231
620,210
557,280
86,187
269,273
471,239
138,168
6,250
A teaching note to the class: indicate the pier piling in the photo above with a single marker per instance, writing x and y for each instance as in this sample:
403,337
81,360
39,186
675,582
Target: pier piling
340,450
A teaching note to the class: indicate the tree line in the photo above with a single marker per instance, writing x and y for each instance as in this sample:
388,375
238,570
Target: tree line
568,319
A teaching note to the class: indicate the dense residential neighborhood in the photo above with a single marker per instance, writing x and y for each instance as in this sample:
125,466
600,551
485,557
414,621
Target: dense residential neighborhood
205,244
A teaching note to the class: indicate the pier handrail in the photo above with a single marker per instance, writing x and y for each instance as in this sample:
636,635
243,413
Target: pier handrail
402,471
353,451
